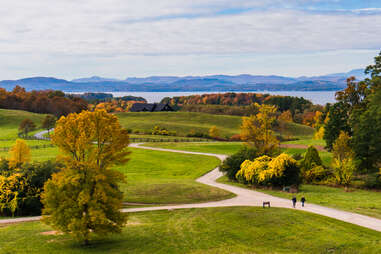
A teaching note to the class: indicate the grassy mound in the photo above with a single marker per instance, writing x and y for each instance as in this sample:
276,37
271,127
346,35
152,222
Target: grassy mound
11,119
212,230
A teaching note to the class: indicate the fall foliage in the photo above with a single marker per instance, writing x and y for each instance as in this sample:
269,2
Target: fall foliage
214,132
257,131
84,197
19,154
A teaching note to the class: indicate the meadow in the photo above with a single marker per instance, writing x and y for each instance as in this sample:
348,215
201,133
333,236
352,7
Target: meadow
11,119
207,230
185,122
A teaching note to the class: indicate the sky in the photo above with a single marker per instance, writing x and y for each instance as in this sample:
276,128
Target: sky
137,38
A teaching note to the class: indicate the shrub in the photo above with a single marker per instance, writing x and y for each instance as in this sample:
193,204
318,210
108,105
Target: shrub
20,190
235,137
233,163
312,167
279,171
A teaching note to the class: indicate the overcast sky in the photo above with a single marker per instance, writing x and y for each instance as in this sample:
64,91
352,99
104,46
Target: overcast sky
124,38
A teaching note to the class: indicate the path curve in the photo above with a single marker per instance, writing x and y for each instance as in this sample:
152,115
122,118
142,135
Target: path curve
244,197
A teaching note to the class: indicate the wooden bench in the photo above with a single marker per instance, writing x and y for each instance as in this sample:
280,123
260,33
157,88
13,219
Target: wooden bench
266,203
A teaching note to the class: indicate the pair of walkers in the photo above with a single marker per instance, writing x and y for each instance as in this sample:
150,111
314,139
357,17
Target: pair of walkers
302,200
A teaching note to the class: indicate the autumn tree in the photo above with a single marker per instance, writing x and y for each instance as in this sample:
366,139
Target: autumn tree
49,123
343,164
257,131
286,116
84,197
214,132
19,154
26,126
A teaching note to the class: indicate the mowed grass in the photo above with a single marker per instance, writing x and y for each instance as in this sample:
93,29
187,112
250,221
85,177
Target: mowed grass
357,201
185,122
227,148
207,230
307,142
155,177
159,177
11,119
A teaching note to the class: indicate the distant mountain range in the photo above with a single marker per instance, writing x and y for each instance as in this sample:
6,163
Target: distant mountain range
215,83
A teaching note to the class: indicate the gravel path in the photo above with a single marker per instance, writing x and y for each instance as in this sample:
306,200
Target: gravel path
245,197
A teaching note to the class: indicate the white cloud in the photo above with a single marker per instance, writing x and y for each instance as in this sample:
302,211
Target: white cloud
74,29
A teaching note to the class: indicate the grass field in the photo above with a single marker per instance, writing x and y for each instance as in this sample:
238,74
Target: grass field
211,147
168,178
211,230
308,142
159,177
11,119
357,201
184,122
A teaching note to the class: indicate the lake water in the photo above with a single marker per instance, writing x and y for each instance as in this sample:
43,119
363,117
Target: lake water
321,97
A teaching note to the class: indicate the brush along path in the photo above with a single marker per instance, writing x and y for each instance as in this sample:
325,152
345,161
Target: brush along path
245,197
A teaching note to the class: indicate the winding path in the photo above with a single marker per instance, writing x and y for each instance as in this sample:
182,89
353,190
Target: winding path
244,197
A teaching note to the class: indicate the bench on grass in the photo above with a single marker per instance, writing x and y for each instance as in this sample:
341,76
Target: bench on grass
266,203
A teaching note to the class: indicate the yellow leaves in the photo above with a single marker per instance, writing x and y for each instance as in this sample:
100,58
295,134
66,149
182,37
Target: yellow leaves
319,134
214,132
257,129
92,137
19,154
264,168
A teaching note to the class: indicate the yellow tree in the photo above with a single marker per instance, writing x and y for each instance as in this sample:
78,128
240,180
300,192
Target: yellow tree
84,197
214,132
19,154
343,164
257,131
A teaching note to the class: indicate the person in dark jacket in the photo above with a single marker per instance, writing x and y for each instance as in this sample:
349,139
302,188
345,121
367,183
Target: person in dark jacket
303,200
294,201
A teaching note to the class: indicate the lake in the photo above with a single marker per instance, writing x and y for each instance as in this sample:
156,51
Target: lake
320,97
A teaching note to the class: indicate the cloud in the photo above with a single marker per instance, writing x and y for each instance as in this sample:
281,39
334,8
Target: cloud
76,29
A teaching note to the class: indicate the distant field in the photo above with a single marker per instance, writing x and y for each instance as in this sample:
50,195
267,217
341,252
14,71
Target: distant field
208,230
309,142
210,147
11,119
184,122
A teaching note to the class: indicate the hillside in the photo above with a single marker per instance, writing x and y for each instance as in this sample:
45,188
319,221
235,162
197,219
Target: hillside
217,83
11,119
184,122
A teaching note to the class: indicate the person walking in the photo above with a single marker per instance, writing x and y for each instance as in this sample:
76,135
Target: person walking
303,200
294,201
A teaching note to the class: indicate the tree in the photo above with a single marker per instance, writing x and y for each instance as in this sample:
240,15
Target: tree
26,126
343,164
286,116
257,131
367,134
84,197
49,123
214,132
19,154
232,164
338,121
312,166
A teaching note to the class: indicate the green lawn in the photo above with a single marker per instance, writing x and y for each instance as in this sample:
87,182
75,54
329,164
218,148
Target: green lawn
357,201
211,147
159,177
184,122
11,119
168,178
325,156
211,230
307,142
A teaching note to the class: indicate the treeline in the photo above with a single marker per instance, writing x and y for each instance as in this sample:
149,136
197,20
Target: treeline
297,109
45,102
96,98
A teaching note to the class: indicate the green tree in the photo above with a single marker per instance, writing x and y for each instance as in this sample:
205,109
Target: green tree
338,121
367,134
49,123
84,197
26,126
